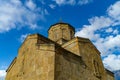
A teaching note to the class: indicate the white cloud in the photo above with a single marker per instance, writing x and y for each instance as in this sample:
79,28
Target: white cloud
15,14
88,32
30,4
17,2
65,2
115,31
114,13
101,25
83,2
104,32
107,45
2,74
46,12
60,2
112,41
22,37
109,30
114,10
72,2
52,6
112,62
100,22
96,23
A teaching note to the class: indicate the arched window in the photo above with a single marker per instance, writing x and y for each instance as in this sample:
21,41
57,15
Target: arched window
71,34
96,69
63,33
55,34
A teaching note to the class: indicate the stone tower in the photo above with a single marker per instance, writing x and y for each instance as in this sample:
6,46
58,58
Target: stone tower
61,32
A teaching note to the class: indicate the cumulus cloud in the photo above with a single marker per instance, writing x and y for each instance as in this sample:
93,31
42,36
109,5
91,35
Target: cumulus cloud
112,62
96,23
108,45
104,32
2,74
114,11
16,14
100,26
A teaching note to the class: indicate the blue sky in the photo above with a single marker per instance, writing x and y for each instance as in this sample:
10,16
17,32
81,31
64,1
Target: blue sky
98,20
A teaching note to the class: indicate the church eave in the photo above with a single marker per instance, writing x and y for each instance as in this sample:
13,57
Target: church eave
109,72
11,65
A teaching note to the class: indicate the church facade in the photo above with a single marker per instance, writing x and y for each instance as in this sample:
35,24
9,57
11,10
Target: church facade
61,56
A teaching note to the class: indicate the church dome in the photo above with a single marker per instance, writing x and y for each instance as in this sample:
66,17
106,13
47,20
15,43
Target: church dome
61,31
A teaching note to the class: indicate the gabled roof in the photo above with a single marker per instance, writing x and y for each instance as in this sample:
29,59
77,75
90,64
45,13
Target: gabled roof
39,36
81,39
48,41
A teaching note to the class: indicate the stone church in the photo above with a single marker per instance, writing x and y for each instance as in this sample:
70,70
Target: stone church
61,56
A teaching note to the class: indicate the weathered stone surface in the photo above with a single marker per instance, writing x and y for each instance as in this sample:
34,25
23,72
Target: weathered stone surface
61,33
61,58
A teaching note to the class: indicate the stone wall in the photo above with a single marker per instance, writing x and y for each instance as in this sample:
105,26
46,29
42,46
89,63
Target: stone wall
42,59
72,67
90,56
34,61
110,75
